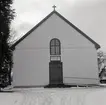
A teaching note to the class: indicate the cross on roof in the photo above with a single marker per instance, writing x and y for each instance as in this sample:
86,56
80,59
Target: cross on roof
54,7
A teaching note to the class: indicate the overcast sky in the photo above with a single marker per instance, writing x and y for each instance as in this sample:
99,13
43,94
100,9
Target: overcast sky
87,15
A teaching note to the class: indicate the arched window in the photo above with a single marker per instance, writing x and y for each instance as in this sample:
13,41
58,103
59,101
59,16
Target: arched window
55,47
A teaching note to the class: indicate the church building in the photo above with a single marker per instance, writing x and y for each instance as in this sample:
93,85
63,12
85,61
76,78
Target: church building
55,52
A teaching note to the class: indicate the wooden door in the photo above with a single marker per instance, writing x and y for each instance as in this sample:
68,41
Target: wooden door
55,72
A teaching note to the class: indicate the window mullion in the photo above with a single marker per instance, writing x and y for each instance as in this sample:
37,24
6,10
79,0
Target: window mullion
55,46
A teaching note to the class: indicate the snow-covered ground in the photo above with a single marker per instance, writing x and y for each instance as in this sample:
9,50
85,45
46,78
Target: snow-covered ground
55,96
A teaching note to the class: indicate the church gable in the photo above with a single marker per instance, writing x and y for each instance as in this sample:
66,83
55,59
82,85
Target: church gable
58,52
56,26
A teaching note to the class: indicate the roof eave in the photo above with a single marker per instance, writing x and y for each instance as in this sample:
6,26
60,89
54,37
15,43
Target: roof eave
97,46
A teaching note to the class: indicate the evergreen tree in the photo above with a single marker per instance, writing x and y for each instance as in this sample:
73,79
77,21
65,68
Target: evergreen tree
6,16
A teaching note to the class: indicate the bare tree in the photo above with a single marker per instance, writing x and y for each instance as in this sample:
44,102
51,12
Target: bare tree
13,36
101,65
100,60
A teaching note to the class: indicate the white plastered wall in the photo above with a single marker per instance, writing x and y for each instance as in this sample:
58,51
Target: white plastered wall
31,57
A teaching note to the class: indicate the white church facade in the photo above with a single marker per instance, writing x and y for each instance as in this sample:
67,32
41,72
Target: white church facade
55,52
